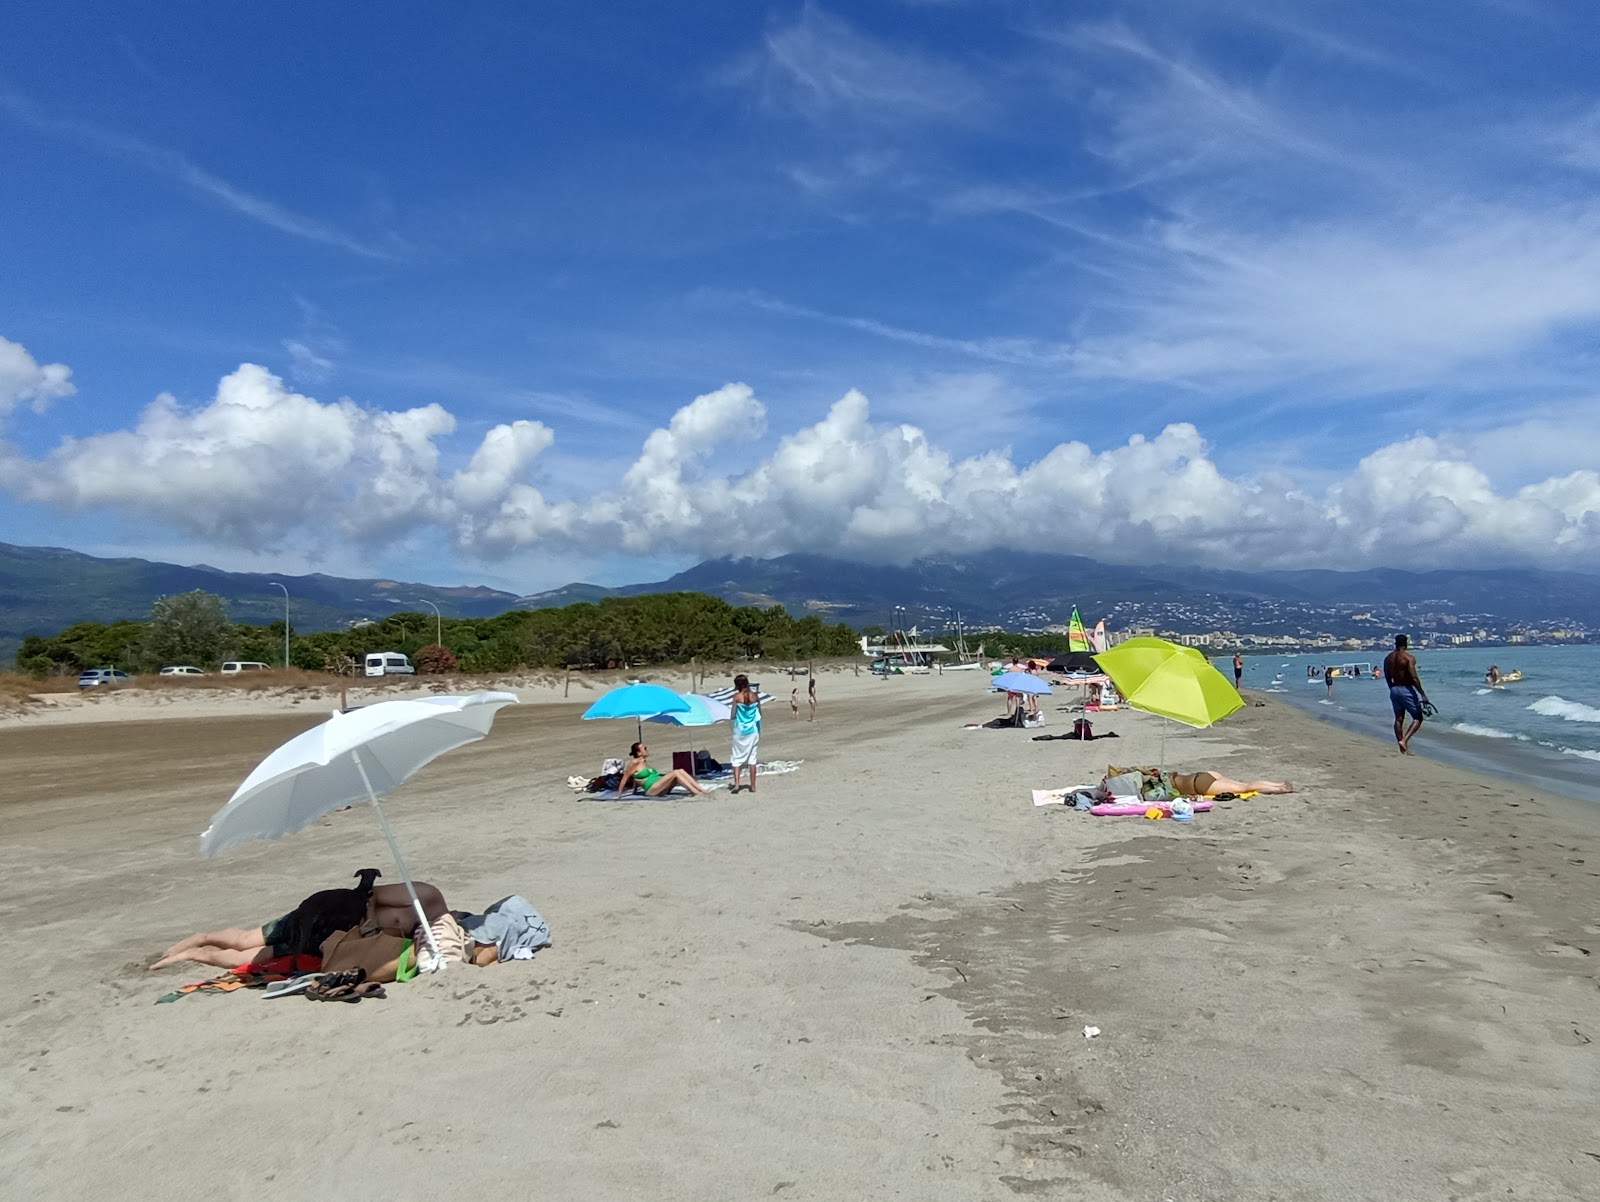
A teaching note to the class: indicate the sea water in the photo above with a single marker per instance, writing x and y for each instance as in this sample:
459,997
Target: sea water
1543,730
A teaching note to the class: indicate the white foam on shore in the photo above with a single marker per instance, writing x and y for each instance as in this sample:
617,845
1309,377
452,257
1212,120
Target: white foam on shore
1486,732
1568,711
1587,755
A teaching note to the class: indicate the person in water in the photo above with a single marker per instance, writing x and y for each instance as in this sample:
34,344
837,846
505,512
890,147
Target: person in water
653,781
1406,694
746,730
1492,676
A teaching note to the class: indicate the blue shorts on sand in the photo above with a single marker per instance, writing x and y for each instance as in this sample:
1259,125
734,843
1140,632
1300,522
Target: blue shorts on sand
1406,700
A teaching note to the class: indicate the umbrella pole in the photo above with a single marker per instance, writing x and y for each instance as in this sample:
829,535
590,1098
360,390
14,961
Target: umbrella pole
400,863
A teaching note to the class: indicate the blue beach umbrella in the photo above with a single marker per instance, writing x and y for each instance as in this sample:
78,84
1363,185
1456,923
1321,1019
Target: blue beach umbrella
637,701
1019,682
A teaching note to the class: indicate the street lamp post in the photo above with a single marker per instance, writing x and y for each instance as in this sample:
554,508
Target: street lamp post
438,622
275,584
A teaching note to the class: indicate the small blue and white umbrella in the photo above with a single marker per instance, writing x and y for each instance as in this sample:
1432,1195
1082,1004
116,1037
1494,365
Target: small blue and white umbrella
1019,682
703,711
726,695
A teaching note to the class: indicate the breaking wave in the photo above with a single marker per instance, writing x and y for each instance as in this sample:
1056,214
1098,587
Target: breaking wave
1486,732
1588,755
1567,711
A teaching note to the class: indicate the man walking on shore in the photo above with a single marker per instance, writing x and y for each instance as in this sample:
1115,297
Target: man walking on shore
1405,693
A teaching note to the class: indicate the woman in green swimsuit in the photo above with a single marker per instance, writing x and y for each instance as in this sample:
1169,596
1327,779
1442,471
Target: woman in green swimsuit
653,781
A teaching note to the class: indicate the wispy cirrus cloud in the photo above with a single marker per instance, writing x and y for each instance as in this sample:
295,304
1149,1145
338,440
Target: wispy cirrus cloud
827,71
177,167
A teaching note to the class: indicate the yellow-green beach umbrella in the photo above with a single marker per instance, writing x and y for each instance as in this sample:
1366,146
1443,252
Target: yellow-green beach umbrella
1172,681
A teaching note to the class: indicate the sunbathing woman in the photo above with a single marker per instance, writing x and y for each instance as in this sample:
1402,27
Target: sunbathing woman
1209,784
653,781
302,930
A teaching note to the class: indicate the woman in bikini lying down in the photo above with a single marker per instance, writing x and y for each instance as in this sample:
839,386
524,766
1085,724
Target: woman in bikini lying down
1209,784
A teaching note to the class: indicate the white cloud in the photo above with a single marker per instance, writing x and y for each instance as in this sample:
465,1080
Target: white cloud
261,465
22,379
826,71
178,167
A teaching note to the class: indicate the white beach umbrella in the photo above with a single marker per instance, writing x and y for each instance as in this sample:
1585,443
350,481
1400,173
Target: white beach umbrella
356,755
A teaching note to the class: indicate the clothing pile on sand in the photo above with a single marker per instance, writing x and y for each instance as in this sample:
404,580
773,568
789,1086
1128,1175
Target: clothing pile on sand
331,948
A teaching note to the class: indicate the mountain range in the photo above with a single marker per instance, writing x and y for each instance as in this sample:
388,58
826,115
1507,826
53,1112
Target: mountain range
44,589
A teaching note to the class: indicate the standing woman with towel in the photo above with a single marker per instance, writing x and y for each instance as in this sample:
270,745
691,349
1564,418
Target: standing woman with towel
746,730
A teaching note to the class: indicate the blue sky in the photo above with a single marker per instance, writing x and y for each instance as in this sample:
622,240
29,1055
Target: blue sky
518,294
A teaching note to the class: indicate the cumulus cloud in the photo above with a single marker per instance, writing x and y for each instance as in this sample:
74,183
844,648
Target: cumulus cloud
24,381
260,465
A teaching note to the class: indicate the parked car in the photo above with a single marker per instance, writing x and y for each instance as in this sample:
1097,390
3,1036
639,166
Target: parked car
242,665
388,663
181,670
93,678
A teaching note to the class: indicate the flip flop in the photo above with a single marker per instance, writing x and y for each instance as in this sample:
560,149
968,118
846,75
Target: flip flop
337,986
291,985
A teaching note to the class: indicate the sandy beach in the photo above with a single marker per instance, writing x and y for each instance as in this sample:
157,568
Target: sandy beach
870,979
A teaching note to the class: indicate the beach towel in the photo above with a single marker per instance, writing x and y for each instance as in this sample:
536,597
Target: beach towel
1068,796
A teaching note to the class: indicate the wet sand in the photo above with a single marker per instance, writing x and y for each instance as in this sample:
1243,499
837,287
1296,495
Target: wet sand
869,979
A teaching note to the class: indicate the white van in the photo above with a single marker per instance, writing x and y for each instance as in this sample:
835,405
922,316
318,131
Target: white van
389,663
234,666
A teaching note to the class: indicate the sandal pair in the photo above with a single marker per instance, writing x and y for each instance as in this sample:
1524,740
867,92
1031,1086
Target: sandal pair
350,986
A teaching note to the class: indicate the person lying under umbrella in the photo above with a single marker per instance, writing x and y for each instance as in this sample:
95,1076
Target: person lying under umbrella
301,931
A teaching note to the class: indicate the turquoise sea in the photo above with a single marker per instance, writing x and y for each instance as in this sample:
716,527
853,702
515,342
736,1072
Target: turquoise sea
1543,730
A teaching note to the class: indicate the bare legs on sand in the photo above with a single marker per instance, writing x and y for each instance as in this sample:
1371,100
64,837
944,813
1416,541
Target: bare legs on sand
1223,784
1403,736
227,948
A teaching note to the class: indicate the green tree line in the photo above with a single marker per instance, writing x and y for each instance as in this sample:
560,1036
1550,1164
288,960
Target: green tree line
659,628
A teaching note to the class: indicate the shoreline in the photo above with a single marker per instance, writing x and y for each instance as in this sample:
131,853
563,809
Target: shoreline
1508,760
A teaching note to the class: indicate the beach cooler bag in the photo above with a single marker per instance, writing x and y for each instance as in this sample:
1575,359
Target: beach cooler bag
684,760
1081,729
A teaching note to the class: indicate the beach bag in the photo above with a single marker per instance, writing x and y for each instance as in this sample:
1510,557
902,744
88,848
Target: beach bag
705,764
612,765
1081,729
1122,784
451,938
385,957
